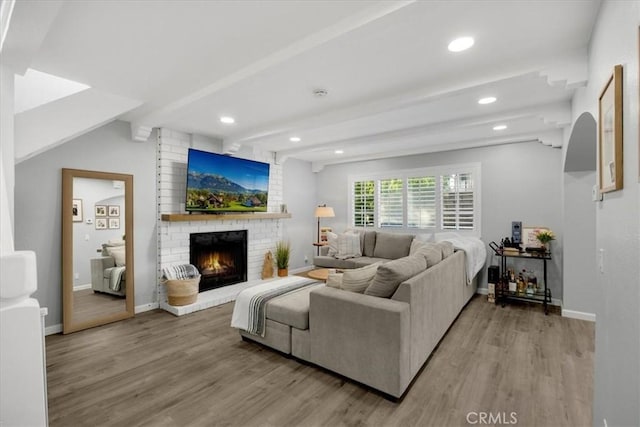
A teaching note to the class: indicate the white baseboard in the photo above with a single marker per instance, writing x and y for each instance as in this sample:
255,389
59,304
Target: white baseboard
53,329
580,315
554,301
82,287
146,307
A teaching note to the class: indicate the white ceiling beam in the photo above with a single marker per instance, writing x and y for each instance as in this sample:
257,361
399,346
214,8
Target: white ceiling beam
368,15
556,113
570,66
317,166
29,25
50,125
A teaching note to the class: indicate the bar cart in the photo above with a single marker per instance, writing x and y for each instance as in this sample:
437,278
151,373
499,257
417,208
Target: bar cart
503,294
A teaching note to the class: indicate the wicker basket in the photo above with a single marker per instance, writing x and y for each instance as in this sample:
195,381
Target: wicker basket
183,291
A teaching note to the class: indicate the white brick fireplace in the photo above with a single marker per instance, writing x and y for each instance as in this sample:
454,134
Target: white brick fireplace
173,237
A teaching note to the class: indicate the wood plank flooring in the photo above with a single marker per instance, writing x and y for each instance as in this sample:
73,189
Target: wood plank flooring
88,305
161,370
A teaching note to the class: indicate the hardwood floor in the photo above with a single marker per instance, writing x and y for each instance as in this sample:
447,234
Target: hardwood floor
89,305
161,370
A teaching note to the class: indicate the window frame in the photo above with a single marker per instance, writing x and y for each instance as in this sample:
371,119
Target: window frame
437,171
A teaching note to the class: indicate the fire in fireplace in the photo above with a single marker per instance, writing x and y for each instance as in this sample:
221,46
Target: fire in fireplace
221,258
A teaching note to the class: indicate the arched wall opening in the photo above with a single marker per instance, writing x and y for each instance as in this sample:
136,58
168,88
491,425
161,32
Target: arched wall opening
579,229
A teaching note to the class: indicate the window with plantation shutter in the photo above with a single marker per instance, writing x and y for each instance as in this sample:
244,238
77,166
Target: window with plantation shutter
421,202
390,203
363,204
436,199
457,202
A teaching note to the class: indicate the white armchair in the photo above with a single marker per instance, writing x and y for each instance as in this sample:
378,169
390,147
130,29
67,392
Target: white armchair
107,271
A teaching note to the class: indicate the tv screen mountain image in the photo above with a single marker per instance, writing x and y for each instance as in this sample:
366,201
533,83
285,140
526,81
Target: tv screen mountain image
218,183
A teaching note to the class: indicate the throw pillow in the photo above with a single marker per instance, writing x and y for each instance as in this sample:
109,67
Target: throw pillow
416,245
332,241
431,252
348,246
392,246
334,280
358,279
119,255
391,274
446,248
424,237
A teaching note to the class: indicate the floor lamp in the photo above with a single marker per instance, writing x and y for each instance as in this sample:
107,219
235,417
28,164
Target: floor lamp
322,211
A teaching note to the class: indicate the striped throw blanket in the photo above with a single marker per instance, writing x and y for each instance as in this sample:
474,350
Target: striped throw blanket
249,312
180,272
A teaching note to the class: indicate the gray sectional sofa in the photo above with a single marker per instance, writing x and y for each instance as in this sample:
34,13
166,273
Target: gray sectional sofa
375,246
380,342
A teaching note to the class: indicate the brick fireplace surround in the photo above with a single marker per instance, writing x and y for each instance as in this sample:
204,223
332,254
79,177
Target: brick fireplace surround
173,237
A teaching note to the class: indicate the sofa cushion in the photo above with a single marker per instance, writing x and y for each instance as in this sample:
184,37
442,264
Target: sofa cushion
331,262
119,255
367,260
369,245
349,245
446,248
391,274
357,280
332,242
392,246
292,308
431,252
334,280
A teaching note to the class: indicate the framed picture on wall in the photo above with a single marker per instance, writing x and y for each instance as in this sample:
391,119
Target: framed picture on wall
114,223
114,210
610,134
101,210
529,239
101,223
77,210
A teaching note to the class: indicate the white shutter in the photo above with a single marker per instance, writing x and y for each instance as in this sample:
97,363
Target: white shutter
363,204
457,202
421,202
390,203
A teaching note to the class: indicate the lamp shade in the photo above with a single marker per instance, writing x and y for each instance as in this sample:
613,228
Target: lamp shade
324,212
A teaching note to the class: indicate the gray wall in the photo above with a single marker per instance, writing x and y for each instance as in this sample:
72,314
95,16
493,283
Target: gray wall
299,194
617,348
580,293
520,182
38,206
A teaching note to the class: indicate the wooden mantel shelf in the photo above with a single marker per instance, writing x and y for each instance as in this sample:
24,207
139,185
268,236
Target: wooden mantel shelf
222,217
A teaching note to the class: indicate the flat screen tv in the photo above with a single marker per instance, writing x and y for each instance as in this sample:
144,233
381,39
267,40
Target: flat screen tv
217,183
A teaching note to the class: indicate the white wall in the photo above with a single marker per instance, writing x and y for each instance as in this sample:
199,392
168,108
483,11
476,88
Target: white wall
617,351
7,140
38,206
520,182
300,197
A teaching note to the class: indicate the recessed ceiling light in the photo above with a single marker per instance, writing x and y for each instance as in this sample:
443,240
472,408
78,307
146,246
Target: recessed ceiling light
487,100
500,127
295,139
339,151
227,120
320,93
461,43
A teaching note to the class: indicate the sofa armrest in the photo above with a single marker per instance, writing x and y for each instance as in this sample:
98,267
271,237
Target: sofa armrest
102,263
362,337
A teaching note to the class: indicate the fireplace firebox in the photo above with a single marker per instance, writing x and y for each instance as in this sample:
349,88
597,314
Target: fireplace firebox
221,258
